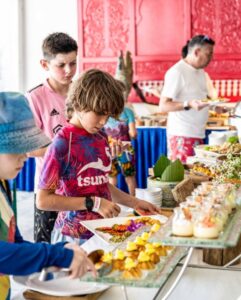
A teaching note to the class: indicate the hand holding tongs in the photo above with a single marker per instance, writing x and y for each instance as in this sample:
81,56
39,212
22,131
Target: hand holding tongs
94,256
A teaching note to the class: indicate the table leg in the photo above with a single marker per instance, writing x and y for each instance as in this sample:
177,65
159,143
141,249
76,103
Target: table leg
189,255
123,287
232,261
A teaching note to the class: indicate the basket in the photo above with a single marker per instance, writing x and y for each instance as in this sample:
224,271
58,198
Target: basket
183,189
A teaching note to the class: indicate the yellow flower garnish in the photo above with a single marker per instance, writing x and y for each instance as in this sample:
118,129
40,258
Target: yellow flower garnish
139,241
142,257
107,257
129,263
155,227
131,246
119,254
145,236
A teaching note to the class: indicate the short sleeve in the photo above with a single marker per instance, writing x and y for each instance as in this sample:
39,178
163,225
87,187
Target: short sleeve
130,115
32,100
173,83
55,161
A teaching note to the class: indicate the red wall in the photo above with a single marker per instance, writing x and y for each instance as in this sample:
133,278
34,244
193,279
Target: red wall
155,30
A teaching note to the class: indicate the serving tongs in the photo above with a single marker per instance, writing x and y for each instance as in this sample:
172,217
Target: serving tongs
235,116
94,256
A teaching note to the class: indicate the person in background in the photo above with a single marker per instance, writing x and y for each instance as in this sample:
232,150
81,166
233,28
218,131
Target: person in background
123,129
184,89
17,256
212,92
47,102
74,178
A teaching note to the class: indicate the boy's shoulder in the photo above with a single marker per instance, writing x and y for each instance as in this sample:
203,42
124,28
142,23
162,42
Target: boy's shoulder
35,88
128,111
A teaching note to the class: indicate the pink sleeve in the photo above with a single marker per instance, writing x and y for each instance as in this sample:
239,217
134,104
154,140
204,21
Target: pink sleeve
49,177
33,100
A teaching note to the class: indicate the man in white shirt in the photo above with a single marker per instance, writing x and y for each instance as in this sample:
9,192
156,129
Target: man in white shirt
184,89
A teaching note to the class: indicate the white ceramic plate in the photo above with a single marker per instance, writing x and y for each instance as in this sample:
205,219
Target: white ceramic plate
61,286
93,224
201,152
215,101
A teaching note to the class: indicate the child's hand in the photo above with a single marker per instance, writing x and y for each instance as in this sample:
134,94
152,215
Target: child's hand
115,147
143,208
80,263
108,209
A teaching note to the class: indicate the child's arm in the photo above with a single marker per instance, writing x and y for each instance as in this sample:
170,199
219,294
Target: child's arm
125,199
131,123
132,130
49,201
26,258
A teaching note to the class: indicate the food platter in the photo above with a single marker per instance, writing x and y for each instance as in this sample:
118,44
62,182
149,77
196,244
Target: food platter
155,277
94,225
215,101
200,151
227,238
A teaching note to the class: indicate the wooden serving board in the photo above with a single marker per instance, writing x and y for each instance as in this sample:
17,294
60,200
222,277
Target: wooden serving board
32,295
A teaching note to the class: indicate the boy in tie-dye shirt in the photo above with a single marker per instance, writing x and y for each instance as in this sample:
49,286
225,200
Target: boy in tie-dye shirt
74,178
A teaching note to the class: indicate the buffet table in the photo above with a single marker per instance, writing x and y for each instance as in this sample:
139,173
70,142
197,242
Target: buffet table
198,282
151,142
219,283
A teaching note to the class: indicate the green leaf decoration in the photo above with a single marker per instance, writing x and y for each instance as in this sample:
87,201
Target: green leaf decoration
161,165
233,140
174,172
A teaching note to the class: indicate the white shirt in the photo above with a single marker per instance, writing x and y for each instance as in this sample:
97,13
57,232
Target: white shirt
182,83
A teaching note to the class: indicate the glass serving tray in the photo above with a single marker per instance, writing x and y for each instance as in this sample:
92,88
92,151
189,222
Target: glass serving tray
227,238
150,278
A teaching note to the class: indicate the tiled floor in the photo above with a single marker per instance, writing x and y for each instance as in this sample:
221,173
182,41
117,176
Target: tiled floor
25,211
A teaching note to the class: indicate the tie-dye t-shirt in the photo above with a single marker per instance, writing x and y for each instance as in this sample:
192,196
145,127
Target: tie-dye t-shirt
119,129
77,164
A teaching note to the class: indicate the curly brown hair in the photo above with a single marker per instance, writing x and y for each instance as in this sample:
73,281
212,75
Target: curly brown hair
96,91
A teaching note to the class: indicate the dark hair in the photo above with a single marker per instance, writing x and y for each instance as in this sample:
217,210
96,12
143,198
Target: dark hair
185,50
58,42
200,40
96,91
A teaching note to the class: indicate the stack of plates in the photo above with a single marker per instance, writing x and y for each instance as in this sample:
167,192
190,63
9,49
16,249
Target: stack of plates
152,195
140,193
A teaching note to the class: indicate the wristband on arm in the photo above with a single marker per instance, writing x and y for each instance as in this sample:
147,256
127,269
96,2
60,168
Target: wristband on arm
97,203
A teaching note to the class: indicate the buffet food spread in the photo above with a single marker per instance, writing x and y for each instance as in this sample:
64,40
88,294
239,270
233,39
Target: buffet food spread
137,261
147,250
146,257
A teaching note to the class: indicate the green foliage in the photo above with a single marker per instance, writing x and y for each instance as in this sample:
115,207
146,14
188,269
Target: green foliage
168,171
207,148
174,172
233,140
161,165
